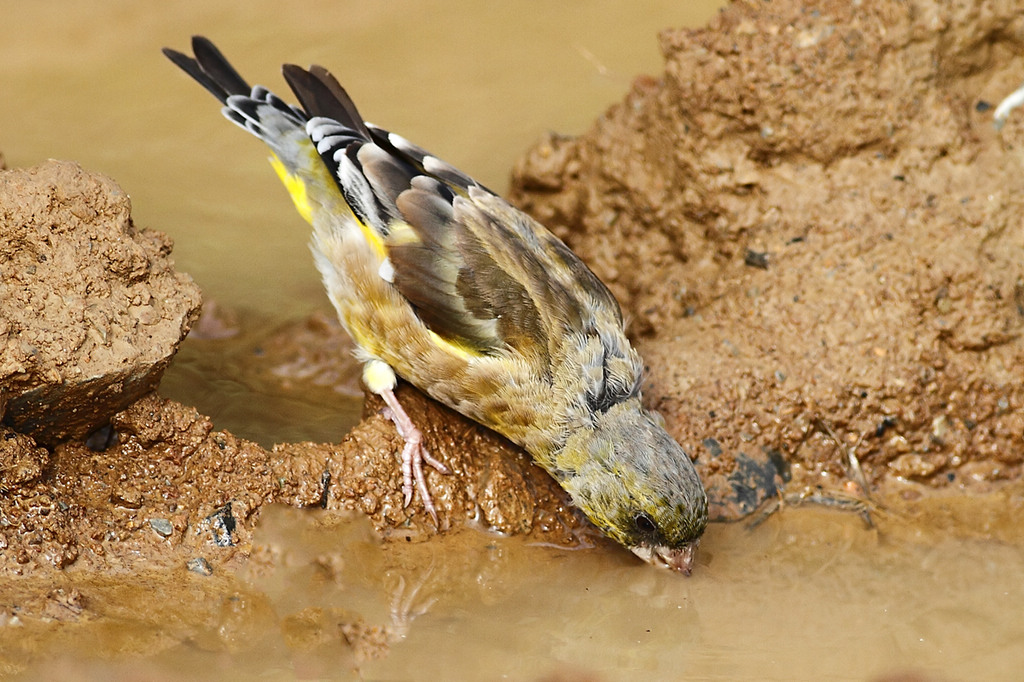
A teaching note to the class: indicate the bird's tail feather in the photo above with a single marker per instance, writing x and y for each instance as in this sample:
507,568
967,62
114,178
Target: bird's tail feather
210,68
255,109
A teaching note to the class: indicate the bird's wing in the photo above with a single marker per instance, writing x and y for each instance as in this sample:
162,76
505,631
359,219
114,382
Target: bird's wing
478,272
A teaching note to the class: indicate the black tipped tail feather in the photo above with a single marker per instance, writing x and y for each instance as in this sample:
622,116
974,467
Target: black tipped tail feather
210,68
318,91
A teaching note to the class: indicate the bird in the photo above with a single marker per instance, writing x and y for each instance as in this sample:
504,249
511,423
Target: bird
440,281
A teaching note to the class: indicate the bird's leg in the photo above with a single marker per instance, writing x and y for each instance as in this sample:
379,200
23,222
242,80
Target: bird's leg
413,454
381,379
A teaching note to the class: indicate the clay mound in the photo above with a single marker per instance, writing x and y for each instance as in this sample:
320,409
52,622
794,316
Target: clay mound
818,234
91,309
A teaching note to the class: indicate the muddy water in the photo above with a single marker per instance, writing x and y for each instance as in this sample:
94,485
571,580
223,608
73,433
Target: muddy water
809,594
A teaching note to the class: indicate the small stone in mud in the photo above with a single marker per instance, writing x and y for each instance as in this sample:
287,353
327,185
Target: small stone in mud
200,566
163,527
101,439
222,523
713,446
756,259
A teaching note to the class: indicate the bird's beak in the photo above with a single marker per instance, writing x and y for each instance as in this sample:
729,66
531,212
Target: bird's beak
680,559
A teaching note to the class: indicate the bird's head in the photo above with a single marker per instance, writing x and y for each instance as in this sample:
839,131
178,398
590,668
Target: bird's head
637,485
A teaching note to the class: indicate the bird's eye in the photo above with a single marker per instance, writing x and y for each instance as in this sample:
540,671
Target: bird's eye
644,523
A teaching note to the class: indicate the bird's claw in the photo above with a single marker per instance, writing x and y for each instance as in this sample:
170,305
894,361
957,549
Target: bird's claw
413,478
414,454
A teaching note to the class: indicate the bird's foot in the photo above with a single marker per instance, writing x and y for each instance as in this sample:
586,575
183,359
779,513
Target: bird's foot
414,454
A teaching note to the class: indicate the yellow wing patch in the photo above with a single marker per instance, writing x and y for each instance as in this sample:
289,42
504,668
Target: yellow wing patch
402,234
456,349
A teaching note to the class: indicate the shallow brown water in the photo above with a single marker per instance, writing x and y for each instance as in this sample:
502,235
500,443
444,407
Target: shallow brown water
810,594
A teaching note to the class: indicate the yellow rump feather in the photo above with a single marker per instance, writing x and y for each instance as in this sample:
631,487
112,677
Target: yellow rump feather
296,189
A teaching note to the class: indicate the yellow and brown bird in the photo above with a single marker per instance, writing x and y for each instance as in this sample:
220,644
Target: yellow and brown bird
443,283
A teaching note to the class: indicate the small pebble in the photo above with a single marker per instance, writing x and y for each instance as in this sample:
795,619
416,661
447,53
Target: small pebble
163,527
200,565
713,446
756,259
